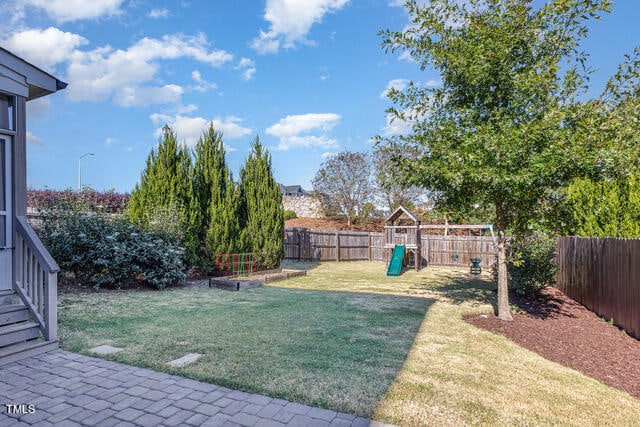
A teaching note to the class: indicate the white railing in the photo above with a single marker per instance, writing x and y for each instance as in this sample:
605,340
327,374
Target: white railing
36,278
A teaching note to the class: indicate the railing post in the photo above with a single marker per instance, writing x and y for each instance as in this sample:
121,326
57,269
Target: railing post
337,247
51,306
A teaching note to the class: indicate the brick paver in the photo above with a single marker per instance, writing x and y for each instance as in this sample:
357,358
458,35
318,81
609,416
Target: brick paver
70,389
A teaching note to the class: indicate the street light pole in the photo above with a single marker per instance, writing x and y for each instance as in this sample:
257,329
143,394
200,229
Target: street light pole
80,169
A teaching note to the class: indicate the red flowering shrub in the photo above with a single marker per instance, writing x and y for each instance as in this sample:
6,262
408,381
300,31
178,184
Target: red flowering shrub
88,200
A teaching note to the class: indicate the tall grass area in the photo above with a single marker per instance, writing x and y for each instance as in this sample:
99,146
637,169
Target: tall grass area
349,338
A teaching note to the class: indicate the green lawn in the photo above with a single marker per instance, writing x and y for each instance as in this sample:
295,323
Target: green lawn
349,338
333,349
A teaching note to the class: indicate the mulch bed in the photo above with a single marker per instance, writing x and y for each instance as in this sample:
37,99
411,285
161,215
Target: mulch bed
562,330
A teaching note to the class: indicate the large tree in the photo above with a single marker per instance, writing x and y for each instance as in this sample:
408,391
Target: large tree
344,179
388,188
262,199
498,130
214,205
163,193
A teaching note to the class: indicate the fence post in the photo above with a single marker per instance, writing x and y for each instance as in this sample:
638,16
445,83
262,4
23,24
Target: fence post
299,245
337,247
369,251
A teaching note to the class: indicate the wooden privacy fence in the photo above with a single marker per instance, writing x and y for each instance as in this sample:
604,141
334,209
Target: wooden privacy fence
303,244
603,274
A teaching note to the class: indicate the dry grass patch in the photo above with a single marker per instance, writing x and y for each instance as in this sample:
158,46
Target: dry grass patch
457,374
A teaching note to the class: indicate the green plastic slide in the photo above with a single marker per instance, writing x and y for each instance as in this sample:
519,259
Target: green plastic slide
395,266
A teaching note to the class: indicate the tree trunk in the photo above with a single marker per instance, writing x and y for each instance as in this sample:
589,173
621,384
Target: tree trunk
503,290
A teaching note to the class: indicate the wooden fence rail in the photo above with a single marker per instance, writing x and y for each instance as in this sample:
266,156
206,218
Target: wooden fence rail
303,244
603,274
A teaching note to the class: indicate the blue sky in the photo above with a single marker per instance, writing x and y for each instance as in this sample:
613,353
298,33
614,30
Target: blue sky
307,76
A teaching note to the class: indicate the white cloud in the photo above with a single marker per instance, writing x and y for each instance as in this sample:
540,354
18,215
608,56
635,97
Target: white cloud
128,149
396,126
189,129
231,127
34,140
248,68
109,142
290,22
186,109
397,3
406,56
105,72
73,10
398,84
121,74
141,96
44,48
305,130
201,84
159,13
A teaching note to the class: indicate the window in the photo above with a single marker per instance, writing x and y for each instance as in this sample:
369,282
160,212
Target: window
7,112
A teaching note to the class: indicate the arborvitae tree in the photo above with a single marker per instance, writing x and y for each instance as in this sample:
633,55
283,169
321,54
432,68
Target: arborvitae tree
608,208
209,180
164,185
224,234
264,228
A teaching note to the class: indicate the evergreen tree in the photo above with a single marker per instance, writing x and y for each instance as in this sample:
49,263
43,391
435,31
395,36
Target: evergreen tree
209,181
164,188
264,229
224,234
608,208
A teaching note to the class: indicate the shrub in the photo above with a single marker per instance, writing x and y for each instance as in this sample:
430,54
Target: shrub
102,250
608,208
289,214
87,199
531,263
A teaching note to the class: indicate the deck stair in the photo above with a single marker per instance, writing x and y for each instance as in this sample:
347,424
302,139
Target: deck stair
19,336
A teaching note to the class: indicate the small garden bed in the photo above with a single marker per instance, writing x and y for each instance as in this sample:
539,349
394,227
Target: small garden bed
238,282
277,275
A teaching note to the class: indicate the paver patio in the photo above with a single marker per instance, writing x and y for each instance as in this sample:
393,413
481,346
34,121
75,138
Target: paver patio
74,390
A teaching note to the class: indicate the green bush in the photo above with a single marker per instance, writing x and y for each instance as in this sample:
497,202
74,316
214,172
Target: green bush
609,208
102,250
289,214
531,263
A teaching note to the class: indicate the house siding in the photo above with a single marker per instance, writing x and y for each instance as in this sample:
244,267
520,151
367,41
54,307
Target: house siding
20,161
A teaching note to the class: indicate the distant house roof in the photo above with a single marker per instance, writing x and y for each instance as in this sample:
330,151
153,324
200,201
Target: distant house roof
21,73
293,190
